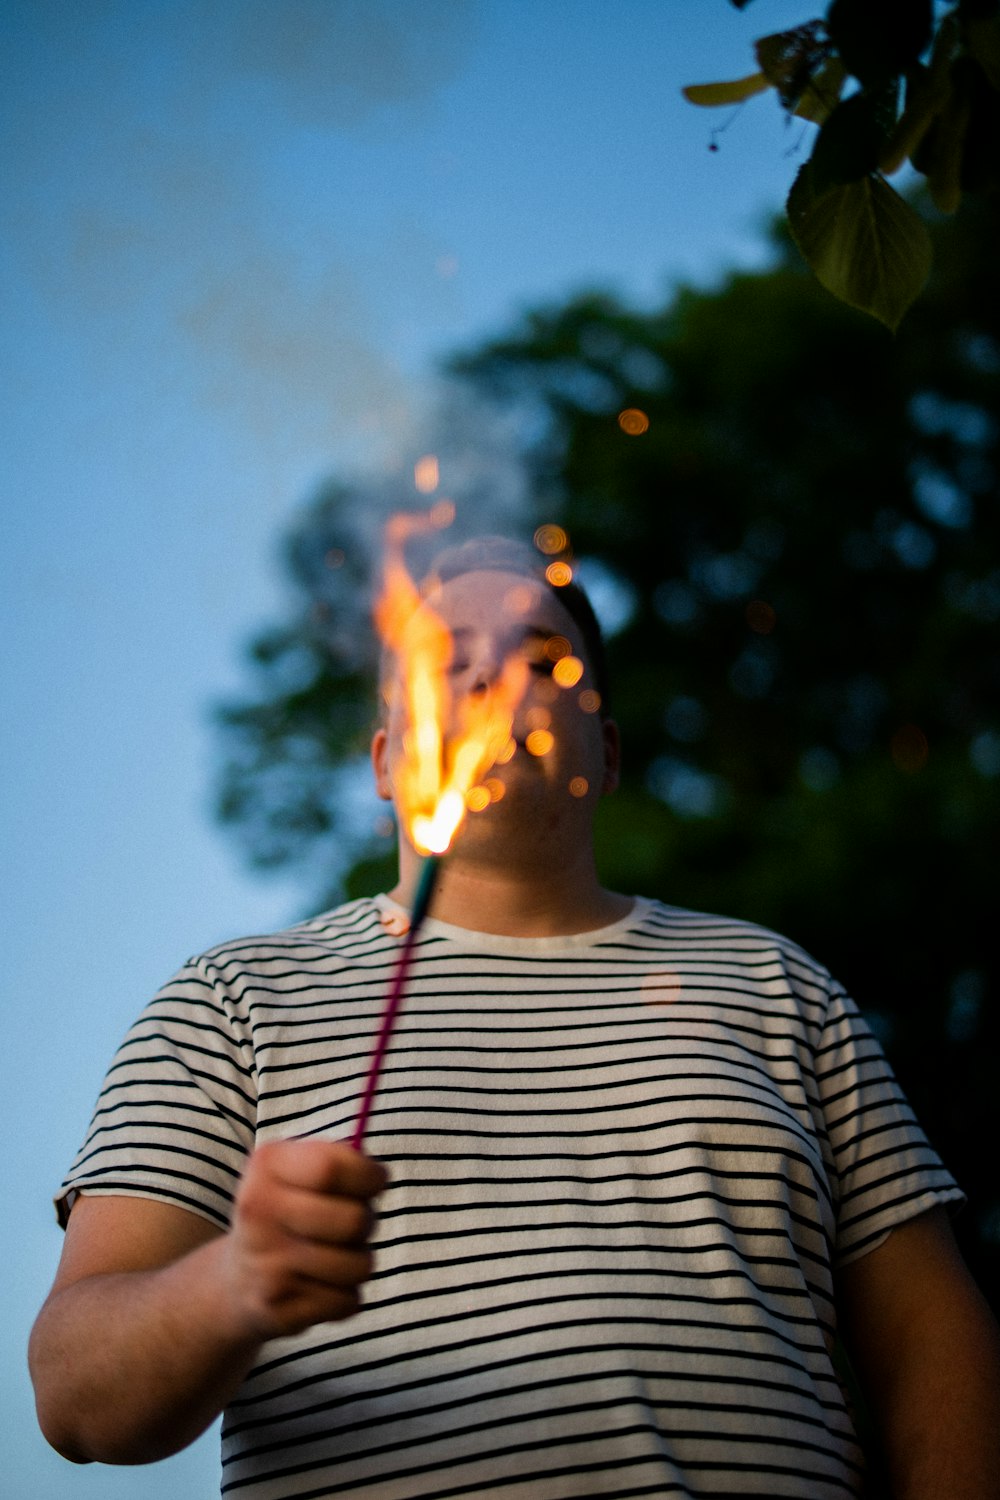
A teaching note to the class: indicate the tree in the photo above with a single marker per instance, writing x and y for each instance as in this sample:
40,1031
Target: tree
887,83
791,519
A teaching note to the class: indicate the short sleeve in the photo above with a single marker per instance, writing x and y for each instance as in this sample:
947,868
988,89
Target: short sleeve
176,1116
885,1170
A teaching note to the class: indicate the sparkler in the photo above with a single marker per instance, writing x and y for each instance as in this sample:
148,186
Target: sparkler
439,775
421,904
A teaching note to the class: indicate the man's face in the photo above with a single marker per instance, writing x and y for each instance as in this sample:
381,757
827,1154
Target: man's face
567,754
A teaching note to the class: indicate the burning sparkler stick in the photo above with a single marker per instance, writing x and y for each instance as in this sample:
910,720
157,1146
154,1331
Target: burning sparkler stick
421,903
442,762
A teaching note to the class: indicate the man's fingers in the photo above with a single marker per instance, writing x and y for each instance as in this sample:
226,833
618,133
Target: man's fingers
328,1220
297,1252
322,1167
343,1269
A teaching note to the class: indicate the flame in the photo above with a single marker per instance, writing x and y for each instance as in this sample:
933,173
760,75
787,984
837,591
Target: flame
447,747
427,474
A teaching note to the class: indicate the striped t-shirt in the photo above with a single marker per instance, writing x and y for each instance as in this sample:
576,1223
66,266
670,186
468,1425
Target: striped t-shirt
624,1166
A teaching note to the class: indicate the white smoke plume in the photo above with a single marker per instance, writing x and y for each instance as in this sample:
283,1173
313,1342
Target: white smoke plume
170,241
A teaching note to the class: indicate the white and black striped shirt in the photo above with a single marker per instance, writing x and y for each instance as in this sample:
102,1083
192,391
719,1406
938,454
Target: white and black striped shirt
624,1166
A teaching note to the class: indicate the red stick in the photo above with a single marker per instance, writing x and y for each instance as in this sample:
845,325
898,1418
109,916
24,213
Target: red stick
421,902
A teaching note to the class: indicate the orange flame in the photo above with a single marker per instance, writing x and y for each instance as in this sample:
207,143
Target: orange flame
447,747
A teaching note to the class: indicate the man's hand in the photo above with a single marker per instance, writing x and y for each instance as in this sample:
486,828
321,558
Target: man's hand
297,1251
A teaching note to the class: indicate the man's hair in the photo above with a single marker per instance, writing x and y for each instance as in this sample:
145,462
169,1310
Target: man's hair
498,554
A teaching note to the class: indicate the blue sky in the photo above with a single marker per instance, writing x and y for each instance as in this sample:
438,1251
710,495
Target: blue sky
239,234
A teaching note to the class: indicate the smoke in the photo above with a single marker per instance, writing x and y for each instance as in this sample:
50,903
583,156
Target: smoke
176,173
335,550
330,64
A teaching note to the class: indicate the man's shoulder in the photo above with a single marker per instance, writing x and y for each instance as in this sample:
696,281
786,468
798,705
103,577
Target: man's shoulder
346,930
711,932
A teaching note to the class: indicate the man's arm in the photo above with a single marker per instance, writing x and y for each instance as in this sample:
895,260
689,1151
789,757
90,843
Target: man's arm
155,1317
927,1351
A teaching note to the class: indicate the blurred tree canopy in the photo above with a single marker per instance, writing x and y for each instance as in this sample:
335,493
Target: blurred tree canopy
789,519
887,83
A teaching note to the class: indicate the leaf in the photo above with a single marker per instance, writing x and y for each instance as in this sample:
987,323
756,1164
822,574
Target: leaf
822,93
980,172
942,150
726,93
982,39
926,93
850,143
863,242
878,42
788,58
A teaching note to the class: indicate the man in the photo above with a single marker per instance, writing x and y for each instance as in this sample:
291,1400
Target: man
642,1165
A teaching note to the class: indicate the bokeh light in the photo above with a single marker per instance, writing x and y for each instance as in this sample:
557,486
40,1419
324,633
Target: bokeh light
550,539
477,797
519,599
442,514
539,742
559,574
761,617
664,988
633,422
589,701
426,474
568,671
579,786
909,749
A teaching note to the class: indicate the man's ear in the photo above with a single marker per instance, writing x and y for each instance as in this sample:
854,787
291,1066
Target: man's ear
380,764
612,755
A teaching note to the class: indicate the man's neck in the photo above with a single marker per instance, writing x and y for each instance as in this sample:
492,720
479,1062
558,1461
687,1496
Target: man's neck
527,902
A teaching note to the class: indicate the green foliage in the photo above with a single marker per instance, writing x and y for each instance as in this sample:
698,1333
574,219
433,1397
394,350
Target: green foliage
802,554
855,232
864,243
877,43
728,93
314,705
